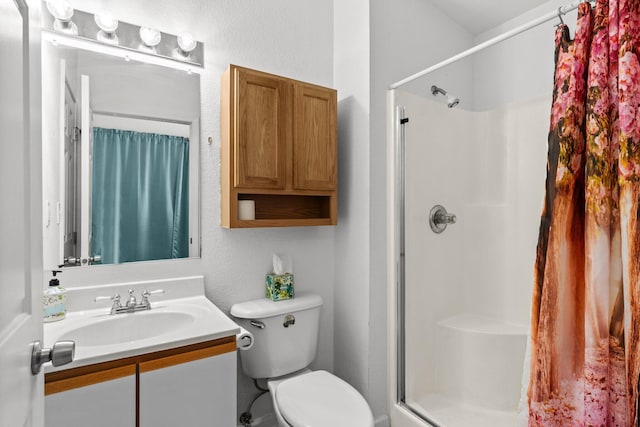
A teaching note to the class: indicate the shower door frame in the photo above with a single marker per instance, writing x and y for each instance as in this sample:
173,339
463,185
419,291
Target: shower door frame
401,413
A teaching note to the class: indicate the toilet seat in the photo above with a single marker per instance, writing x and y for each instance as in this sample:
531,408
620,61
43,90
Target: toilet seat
318,399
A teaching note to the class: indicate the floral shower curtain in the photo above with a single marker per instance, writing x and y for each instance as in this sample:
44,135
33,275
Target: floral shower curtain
585,334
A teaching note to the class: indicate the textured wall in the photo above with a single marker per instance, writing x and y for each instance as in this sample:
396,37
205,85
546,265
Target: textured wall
352,315
520,68
289,37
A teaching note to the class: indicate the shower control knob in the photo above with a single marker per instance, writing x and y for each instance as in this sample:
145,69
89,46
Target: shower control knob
439,218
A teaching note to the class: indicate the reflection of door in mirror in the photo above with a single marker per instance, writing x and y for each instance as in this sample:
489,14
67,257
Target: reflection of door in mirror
74,191
84,176
72,169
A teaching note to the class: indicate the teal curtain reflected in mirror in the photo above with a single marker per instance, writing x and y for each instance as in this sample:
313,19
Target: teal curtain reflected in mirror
140,196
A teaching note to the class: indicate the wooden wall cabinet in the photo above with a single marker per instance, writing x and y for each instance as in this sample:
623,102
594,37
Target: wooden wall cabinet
190,386
278,148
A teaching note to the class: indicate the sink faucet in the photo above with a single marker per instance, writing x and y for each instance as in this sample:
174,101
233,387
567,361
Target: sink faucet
132,304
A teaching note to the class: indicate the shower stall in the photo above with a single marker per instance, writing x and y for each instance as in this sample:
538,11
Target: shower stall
465,190
462,314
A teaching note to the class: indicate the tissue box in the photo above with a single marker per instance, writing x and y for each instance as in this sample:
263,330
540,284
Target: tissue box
279,286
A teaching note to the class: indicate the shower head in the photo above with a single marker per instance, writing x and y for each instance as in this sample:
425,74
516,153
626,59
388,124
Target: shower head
452,101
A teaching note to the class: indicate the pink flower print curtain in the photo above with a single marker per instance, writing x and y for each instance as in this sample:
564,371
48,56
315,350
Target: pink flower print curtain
605,388
558,303
585,335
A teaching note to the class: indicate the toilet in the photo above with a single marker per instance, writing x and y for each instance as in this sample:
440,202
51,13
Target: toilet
285,342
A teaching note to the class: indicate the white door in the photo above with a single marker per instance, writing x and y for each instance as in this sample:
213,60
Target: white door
21,395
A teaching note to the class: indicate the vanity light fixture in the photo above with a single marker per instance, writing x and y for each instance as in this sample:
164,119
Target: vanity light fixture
186,43
150,38
63,12
97,32
108,26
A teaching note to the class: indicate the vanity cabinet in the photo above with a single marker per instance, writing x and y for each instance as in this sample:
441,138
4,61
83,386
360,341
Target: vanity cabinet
103,398
279,149
191,385
189,389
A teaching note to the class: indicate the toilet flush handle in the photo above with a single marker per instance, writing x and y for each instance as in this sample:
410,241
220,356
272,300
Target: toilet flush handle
258,324
289,320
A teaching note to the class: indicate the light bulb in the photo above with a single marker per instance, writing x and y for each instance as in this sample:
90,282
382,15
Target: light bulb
186,42
108,25
60,9
150,37
62,12
106,22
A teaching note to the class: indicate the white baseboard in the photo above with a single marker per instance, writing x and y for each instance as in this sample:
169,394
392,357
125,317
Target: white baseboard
382,421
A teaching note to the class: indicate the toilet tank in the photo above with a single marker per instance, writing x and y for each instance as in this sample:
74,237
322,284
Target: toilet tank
289,338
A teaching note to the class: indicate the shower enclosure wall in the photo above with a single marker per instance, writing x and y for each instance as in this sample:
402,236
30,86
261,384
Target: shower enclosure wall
460,300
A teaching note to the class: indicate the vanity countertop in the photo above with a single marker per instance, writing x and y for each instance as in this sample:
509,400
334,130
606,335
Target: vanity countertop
189,318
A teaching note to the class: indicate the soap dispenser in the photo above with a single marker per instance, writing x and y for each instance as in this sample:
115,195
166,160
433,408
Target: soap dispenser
54,300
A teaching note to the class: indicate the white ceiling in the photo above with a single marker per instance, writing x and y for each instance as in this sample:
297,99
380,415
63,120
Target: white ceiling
478,16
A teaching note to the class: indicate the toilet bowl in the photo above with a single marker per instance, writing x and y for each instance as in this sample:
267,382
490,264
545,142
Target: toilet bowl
318,398
285,341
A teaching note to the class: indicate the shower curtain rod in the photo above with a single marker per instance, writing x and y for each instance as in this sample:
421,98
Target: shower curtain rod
139,117
562,10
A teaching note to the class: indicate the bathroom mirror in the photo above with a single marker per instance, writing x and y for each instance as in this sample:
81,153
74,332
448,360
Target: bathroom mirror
120,159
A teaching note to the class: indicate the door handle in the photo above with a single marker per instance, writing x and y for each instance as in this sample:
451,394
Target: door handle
59,354
71,261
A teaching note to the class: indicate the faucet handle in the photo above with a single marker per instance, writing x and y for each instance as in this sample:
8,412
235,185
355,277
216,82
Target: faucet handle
116,302
147,294
154,292
115,298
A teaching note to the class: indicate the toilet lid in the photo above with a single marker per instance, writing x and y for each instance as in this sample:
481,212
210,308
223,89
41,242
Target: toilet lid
320,399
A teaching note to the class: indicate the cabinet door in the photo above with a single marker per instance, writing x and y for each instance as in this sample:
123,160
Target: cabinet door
101,399
181,391
314,138
262,109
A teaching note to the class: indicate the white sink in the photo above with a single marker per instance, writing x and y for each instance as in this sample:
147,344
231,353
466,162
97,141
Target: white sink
126,328
100,336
